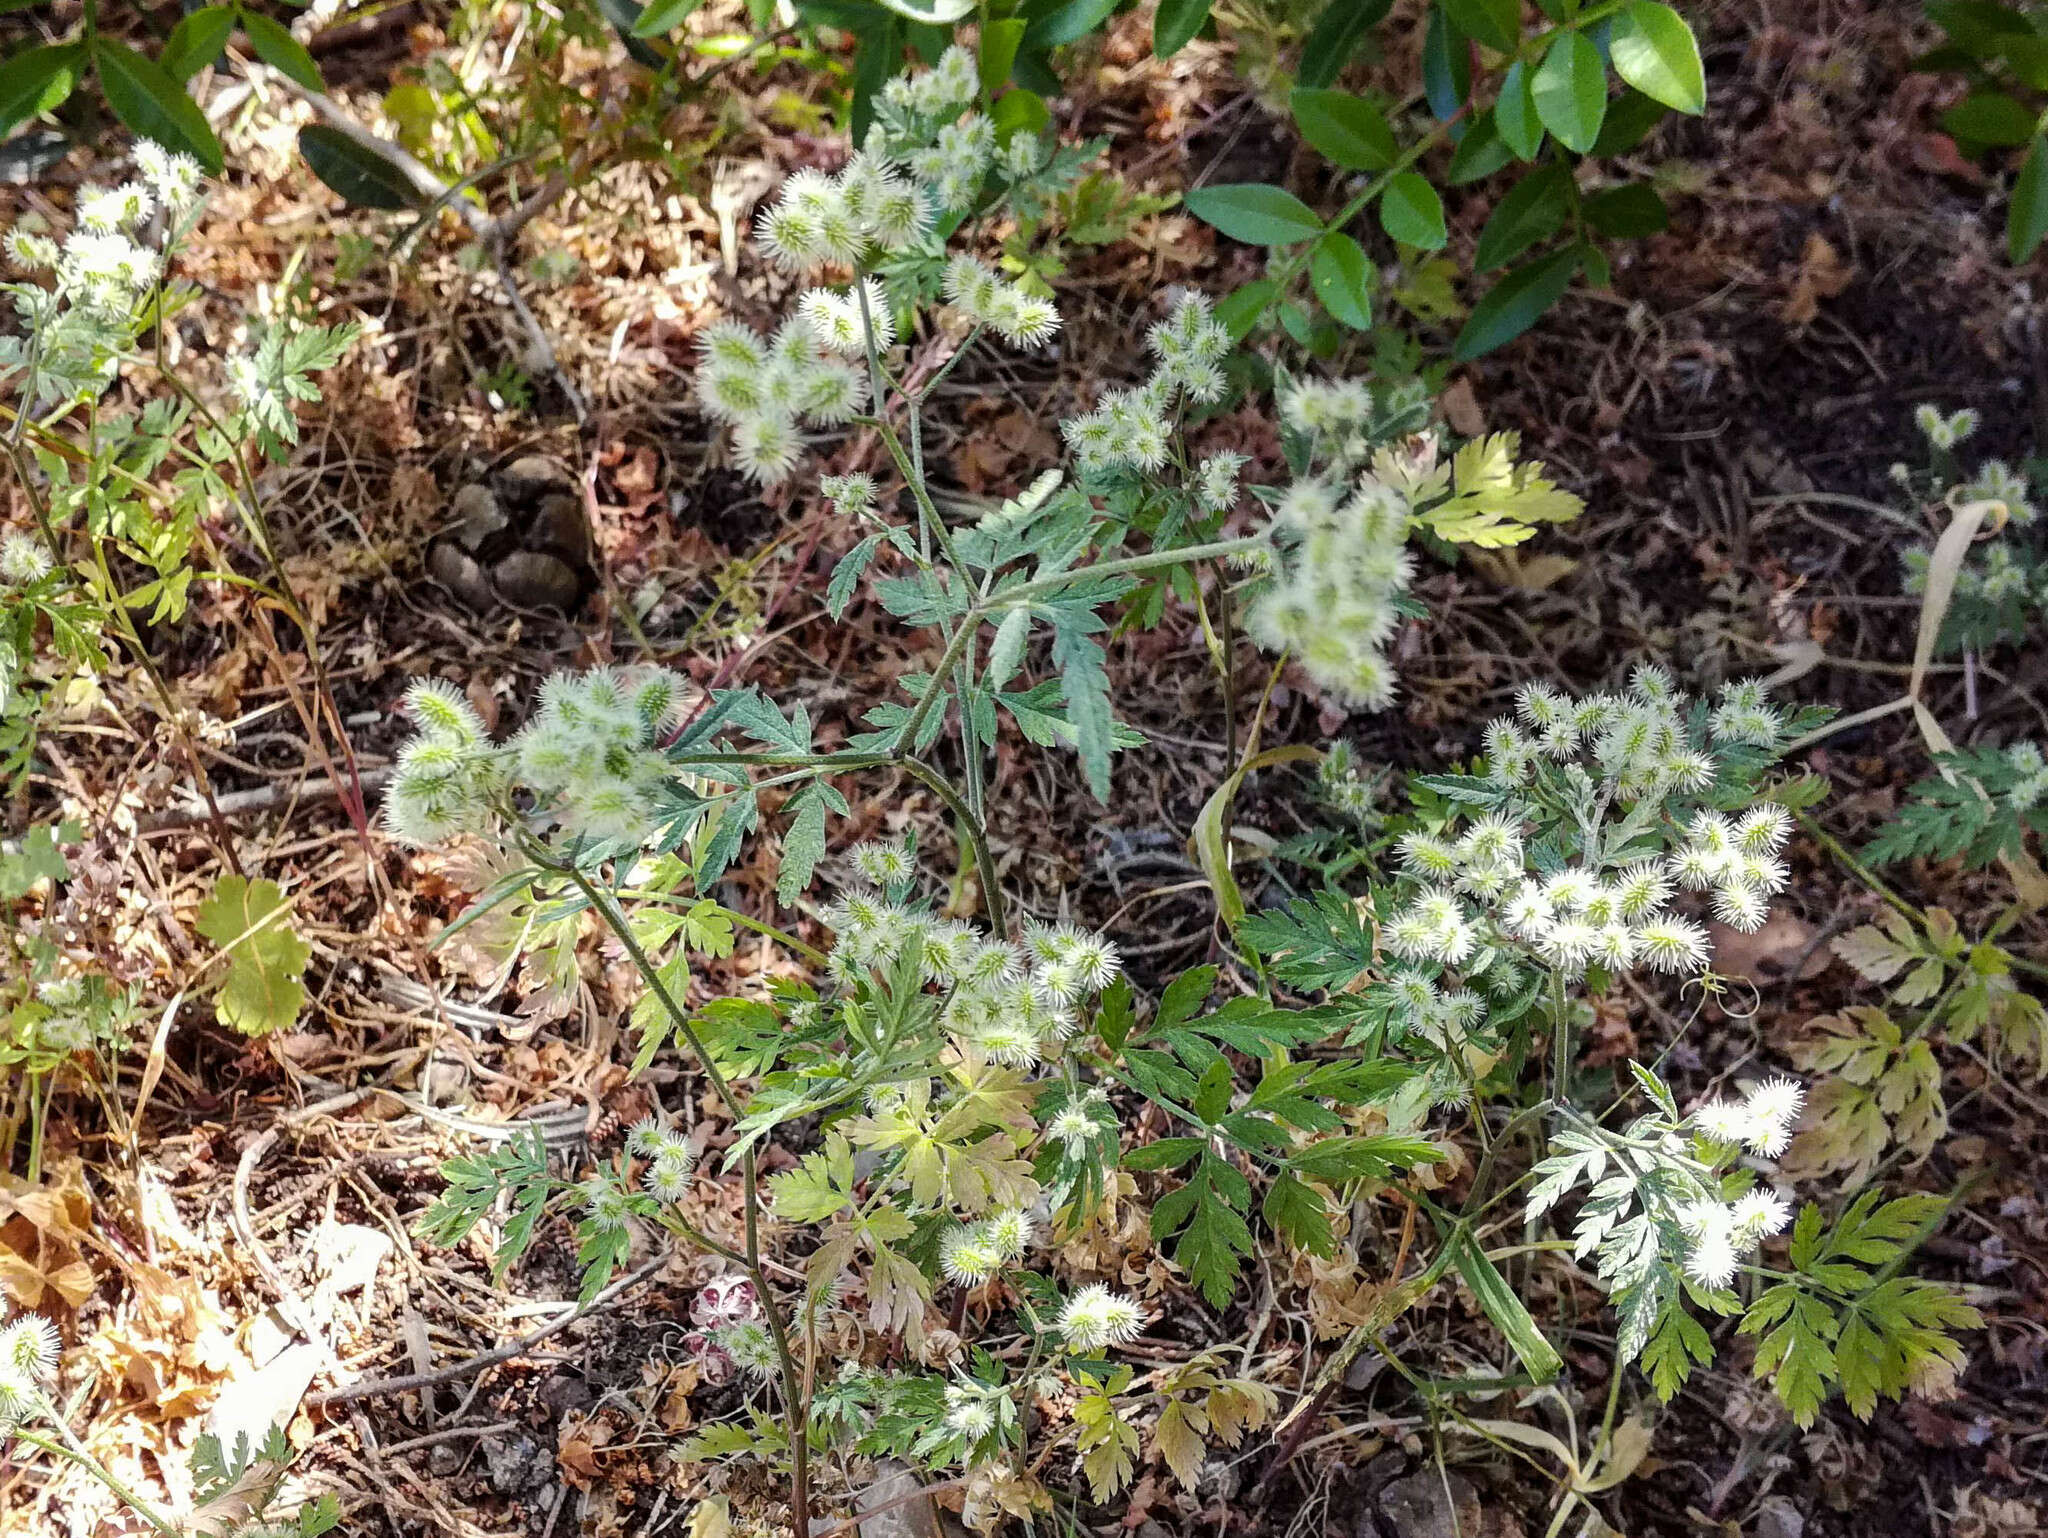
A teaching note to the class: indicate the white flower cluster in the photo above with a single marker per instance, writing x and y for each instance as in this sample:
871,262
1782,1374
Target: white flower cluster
448,774
1007,1003
851,496
819,220
1346,790
2030,776
1022,319
1344,423
595,748
591,757
669,1156
1132,426
921,154
1723,1234
1215,483
974,1410
1334,601
750,1344
23,561
28,1357
765,387
1079,1124
103,274
1944,430
974,1254
1995,575
1096,1317
924,123
1997,481
1761,1121
1479,889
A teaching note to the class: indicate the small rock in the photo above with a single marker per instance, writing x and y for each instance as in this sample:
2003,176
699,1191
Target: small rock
1417,1506
901,1509
443,1460
1777,1517
530,579
559,525
532,476
460,574
516,1464
476,516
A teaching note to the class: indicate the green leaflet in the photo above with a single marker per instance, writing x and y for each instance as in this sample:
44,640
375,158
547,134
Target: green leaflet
249,922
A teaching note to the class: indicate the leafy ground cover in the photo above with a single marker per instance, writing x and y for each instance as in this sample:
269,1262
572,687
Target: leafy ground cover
230,1236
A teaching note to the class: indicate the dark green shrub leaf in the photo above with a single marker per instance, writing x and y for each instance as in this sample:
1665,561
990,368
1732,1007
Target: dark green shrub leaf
196,41
36,80
663,17
1514,115
1446,66
1020,111
1495,24
1343,277
1989,117
1255,213
2027,221
1479,154
1412,213
275,46
1176,22
1570,91
1534,209
1978,25
357,172
1076,19
1629,121
153,104
1654,51
998,56
624,16
1346,128
1240,310
1336,36
1627,213
1512,305
2027,57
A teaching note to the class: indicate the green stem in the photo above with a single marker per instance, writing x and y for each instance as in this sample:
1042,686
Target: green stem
771,1310
1025,592
971,829
98,1470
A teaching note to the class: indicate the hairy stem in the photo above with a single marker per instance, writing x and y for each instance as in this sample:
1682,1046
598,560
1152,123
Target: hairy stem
794,1402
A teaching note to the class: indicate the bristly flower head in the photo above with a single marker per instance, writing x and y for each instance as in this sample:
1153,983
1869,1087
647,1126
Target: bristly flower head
28,1357
1762,1121
22,561
1096,1318
1336,599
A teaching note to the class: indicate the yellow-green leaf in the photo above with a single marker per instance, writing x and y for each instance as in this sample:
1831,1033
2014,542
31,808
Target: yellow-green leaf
248,921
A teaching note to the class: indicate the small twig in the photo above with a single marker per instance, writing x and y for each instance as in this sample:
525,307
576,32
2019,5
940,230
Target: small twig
417,1380
452,1434
265,798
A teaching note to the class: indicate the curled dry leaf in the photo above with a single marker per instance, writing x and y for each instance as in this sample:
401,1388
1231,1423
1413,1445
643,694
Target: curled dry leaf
44,1232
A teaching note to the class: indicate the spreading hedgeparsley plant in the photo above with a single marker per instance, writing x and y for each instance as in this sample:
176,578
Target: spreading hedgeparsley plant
122,463
947,1089
1596,839
960,1080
